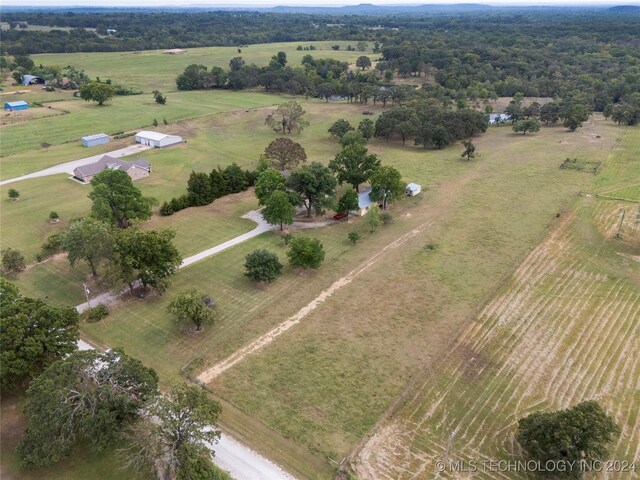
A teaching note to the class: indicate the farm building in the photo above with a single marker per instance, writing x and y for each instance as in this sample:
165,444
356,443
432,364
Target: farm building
412,189
498,118
174,51
32,80
364,202
136,169
15,106
97,139
156,139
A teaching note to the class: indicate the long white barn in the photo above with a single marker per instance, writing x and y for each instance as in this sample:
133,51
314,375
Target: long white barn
156,139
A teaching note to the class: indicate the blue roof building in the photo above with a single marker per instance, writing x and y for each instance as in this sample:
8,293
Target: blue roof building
13,106
93,140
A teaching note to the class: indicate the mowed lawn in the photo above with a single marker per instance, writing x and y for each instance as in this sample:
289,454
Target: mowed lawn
395,317
151,69
123,113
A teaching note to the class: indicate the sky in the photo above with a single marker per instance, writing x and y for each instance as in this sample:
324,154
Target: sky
307,3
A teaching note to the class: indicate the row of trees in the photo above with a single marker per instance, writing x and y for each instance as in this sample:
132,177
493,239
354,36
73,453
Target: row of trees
203,188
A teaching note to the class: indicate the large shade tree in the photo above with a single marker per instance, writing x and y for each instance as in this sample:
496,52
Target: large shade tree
386,185
89,397
33,335
316,186
285,154
580,434
268,182
354,165
288,118
195,307
145,255
97,92
89,240
116,200
279,210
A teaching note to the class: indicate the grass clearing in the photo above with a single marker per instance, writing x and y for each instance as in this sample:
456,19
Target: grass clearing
480,233
563,328
152,69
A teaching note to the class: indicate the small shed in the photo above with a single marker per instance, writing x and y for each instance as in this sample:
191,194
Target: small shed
364,202
136,169
156,139
412,189
174,51
32,80
97,139
15,106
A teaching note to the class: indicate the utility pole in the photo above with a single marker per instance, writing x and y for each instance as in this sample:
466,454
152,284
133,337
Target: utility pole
621,222
87,292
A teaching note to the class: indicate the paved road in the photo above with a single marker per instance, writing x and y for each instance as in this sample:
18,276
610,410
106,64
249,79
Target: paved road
69,167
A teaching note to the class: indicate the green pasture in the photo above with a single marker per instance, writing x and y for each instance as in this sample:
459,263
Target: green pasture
153,70
122,114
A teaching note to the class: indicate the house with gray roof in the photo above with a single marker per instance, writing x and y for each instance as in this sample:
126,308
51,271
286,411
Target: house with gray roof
136,169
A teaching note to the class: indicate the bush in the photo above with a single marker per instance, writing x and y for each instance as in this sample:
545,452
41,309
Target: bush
53,216
354,237
386,217
53,244
287,237
14,194
12,260
262,266
166,210
97,313
306,252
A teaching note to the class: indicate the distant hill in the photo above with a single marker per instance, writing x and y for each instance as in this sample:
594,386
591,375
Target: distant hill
369,9
625,9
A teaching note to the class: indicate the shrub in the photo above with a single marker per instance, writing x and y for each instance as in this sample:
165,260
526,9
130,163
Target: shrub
155,122
12,260
287,237
53,244
14,194
354,237
306,252
165,209
386,217
262,266
53,216
97,313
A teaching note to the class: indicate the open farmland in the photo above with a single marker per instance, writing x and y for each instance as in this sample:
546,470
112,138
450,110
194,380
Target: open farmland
562,329
469,209
152,69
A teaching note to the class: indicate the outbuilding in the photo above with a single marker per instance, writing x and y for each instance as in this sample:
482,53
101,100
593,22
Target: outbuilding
364,202
412,189
498,118
15,106
97,139
136,169
32,80
156,139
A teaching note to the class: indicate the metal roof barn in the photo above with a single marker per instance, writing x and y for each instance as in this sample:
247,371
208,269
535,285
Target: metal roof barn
97,139
18,105
156,139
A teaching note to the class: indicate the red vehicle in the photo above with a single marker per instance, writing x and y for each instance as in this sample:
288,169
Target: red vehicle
340,216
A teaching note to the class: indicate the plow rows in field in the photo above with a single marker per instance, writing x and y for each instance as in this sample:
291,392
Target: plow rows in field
561,331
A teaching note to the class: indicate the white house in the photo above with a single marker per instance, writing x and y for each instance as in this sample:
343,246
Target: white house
412,190
156,139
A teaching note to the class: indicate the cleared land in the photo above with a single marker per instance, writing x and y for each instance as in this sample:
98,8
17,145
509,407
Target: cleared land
563,329
306,392
152,69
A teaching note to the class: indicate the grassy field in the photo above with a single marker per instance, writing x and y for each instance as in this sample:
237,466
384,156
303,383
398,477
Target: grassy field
563,328
151,69
479,219
306,386
121,114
